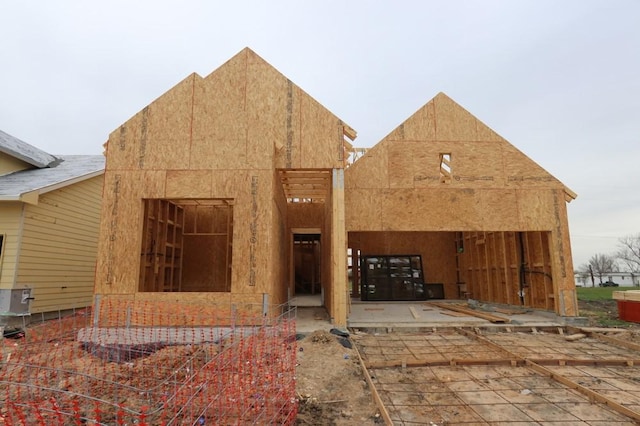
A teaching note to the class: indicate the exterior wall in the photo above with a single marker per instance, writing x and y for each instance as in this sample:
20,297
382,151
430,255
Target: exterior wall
11,227
59,242
280,245
222,136
9,164
436,248
491,186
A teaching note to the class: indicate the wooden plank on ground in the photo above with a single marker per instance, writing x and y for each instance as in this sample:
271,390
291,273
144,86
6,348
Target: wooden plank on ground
414,312
441,362
593,395
459,308
374,392
455,314
615,341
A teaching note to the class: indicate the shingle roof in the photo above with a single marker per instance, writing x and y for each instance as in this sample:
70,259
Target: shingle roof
68,168
23,151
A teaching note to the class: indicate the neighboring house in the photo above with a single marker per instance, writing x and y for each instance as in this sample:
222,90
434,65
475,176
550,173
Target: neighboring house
235,188
49,218
623,279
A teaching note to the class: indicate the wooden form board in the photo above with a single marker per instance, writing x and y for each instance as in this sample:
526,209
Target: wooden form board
545,364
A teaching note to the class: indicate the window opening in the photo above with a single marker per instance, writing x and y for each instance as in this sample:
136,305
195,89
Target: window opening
186,245
445,167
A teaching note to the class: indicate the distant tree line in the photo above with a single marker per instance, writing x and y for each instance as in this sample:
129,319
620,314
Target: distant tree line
625,259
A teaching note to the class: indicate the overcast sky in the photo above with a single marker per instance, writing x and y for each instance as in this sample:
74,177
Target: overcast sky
559,79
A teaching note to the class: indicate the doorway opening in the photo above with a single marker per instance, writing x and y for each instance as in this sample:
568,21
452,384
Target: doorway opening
306,264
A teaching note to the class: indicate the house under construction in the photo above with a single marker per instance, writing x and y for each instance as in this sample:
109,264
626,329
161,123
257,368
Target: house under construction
239,188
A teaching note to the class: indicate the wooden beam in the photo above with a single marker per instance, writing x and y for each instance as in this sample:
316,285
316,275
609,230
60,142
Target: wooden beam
472,312
535,366
441,362
593,395
615,341
338,251
349,132
374,391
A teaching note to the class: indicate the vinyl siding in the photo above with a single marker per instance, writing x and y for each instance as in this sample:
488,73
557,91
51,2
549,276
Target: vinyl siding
10,214
9,164
59,245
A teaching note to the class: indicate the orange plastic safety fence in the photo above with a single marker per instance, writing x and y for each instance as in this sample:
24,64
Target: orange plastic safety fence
153,363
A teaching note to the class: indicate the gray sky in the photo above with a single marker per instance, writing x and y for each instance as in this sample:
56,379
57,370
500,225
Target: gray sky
559,79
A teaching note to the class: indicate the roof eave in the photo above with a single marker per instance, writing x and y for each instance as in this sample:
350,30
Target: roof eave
58,185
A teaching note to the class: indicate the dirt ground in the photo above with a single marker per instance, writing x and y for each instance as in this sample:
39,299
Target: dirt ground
330,384
332,389
604,313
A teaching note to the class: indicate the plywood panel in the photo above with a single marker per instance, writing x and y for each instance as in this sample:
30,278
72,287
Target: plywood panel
251,233
499,209
267,100
305,215
121,233
534,208
477,164
437,210
363,209
204,263
322,136
453,123
229,183
486,134
421,126
338,251
401,164
280,243
370,171
220,118
121,227
166,138
521,171
425,162
123,147
188,184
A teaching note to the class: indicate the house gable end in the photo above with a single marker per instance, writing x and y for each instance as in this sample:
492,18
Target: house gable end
243,115
475,155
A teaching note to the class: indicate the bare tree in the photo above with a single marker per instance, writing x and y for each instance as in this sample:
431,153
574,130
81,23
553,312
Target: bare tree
629,252
599,265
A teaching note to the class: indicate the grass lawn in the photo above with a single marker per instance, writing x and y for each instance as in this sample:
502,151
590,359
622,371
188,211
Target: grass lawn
598,305
600,293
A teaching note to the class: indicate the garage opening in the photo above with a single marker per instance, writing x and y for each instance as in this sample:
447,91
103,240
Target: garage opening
509,267
186,245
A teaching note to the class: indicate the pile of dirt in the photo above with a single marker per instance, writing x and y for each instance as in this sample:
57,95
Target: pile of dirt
330,384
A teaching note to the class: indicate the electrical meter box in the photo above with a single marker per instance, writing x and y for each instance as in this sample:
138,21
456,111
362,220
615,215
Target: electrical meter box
15,301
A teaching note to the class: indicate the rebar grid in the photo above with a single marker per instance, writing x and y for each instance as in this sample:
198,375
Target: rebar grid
155,364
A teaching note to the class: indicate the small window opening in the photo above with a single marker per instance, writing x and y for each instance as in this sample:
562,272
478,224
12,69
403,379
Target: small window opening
445,167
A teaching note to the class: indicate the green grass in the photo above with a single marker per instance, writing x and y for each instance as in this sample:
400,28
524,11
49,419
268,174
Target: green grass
595,293
599,293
